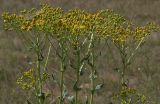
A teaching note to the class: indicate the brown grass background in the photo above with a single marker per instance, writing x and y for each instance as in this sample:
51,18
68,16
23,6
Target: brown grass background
144,73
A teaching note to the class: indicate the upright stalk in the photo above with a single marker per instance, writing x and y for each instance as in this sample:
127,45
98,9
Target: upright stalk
126,60
77,73
39,59
124,66
92,77
62,70
62,83
47,59
92,55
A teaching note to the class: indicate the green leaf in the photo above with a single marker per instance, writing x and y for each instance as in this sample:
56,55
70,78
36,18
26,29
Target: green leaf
70,98
93,76
86,58
28,102
55,79
81,72
99,86
116,69
41,96
87,102
65,94
75,87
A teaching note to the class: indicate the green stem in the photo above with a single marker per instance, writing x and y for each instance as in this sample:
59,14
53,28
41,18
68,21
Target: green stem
92,77
124,63
61,84
46,62
92,89
40,94
62,70
77,74
123,72
92,68
62,74
91,99
39,82
133,53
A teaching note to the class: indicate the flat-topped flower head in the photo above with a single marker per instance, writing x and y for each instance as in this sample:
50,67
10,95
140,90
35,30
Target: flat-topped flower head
111,22
12,21
115,27
122,35
75,22
46,19
79,21
143,31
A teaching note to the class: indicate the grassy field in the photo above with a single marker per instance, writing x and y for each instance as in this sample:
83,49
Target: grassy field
143,74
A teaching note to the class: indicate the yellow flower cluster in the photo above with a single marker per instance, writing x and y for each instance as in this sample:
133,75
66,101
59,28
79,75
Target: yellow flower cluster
127,94
141,32
111,21
49,19
115,27
45,76
12,21
122,35
46,19
27,80
76,22
80,22
28,25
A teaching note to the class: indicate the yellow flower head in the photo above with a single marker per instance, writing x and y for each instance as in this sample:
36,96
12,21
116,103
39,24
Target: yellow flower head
27,80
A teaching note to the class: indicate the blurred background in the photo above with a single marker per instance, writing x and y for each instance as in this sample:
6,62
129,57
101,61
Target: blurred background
144,73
